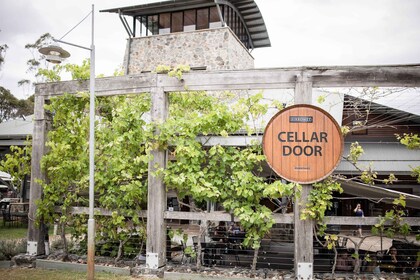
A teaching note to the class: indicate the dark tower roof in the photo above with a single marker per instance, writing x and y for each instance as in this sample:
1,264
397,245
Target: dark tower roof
246,9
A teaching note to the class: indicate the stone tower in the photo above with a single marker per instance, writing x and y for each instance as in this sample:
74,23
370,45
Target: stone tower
205,34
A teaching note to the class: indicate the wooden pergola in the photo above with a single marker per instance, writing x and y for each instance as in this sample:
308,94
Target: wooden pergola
301,79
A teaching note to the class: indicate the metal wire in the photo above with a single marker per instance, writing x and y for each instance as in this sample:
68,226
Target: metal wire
75,25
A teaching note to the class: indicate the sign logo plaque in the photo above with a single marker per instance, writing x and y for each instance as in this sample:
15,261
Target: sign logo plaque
303,144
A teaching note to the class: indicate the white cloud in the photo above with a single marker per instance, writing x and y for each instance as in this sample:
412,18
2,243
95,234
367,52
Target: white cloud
302,32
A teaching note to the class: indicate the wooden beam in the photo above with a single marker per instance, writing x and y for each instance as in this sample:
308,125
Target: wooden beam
285,78
103,86
255,79
232,80
224,216
98,211
232,140
283,218
303,88
366,76
366,221
37,231
219,216
303,228
156,196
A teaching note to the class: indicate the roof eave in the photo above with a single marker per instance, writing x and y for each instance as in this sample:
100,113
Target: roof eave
250,9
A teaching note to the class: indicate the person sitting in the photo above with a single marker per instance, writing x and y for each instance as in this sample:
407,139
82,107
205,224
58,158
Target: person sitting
416,266
345,262
234,228
391,262
373,266
235,233
220,228
220,232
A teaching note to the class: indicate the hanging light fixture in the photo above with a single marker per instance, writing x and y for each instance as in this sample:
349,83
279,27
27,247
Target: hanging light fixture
54,53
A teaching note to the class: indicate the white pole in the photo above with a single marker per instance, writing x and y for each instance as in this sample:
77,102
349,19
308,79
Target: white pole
91,221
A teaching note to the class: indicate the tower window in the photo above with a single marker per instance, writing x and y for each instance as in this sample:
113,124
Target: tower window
202,18
176,24
165,23
189,20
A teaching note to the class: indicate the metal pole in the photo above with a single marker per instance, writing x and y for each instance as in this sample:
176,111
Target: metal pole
219,11
91,221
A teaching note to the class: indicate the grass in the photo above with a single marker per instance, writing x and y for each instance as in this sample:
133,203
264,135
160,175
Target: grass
16,232
12,232
42,274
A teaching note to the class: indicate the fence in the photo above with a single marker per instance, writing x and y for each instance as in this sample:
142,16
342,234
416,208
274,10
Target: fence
302,80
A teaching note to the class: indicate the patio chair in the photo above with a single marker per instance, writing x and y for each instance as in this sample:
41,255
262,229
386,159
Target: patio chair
7,217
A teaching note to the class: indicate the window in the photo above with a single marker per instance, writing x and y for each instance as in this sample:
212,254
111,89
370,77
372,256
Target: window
202,19
176,24
235,27
231,18
189,17
190,20
214,15
214,18
226,14
165,23
142,20
152,25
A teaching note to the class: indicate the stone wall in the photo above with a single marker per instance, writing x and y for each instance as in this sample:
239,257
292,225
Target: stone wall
217,49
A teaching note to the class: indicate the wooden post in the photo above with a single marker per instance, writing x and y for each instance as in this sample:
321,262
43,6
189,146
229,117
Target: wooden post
156,199
303,229
36,234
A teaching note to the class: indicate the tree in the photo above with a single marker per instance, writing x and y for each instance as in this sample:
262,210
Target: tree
11,107
3,49
412,142
25,107
38,67
8,105
227,175
121,164
223,174
18,164
38,60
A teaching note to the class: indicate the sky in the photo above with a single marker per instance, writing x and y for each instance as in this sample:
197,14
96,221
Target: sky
302,33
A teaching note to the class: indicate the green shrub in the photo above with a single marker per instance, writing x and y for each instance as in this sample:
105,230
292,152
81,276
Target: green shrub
11,248
58,244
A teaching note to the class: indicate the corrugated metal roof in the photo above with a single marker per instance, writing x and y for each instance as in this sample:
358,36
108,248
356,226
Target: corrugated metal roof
17,129
254,22
247,9
383,158
379,193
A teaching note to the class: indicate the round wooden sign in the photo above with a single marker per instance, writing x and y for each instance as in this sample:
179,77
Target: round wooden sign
303,144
